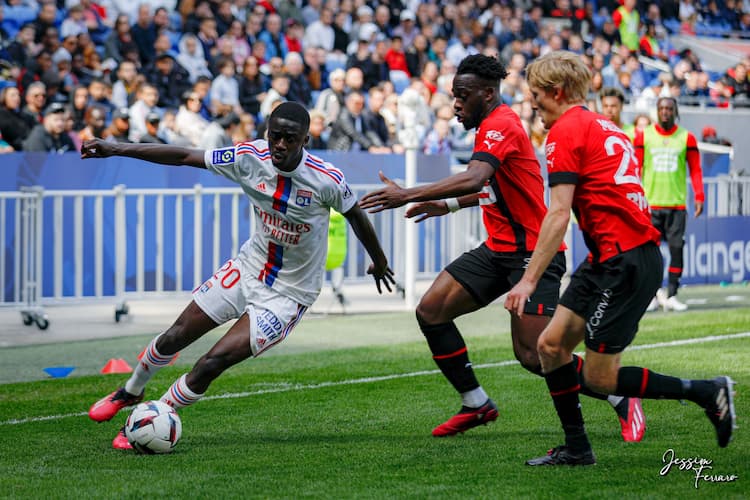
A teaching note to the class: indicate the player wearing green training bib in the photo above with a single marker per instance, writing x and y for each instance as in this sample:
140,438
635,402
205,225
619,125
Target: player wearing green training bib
667,152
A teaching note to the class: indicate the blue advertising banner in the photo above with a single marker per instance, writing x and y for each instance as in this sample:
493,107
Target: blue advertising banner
716,250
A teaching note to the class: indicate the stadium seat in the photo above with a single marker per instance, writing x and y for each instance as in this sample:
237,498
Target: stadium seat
399,79
333,62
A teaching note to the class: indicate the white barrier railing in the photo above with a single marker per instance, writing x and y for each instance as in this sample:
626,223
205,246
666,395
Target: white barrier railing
60,246
119,244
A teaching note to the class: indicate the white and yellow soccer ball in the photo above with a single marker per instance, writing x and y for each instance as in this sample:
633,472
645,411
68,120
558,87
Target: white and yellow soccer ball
153,427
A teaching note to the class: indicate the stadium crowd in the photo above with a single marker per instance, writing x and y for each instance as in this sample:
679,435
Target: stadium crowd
208,73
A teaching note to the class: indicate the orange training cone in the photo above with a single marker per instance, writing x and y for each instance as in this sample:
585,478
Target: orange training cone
116,366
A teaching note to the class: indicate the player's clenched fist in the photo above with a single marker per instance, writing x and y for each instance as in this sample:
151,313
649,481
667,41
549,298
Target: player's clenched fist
96,148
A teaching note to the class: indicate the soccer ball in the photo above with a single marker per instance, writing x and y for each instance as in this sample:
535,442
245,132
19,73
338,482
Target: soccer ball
153,427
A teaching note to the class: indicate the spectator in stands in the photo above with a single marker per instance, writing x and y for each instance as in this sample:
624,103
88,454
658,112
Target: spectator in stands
189,123
225,91
299,88
458,51
331,101
274,38
42,64
373,121
123,90
36,99
119,127
395,58
349,132
311,12
293,35
147,98
45,19
152,129
79,103
354,80
362,58
99,90
417,55
253,28
277,94
169,78
740,84
318,131
202,87
320,33
610,71
314,68
22,49
252,86
224,17
219,133
340,32
407,29
119,39
14,127
74,23
710,136
50,136
245,131
191,57
438,140
144,33
95,120
208,38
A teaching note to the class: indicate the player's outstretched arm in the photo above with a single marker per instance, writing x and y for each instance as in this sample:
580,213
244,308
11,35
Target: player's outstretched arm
163,154
426,209
393,196
366,234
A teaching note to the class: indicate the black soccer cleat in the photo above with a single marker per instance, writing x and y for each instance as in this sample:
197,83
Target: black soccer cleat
562,455
720,410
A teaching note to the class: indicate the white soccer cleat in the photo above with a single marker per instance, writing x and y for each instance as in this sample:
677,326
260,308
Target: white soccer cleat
661,299
673,304
653,305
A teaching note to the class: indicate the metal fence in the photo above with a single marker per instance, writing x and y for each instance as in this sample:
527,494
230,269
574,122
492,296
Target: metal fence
60,246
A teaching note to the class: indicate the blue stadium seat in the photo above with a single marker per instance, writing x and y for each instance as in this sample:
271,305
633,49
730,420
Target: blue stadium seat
399,79
672,25
333,63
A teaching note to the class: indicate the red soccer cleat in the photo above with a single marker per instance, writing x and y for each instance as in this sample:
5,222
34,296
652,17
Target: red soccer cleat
108,406
466,419
120,442
632,419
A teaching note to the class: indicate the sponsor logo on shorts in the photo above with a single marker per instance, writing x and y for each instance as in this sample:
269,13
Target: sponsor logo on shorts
303,198
269,328
595,319
348,192
206,287
223,156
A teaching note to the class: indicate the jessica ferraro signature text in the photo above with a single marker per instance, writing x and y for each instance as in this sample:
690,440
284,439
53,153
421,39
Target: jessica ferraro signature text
701,467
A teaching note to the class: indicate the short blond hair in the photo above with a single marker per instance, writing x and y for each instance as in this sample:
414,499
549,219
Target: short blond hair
560,69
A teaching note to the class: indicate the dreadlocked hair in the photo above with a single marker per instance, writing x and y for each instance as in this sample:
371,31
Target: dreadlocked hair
485,67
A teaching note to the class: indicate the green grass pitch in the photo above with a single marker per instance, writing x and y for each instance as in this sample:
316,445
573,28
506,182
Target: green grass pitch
314,421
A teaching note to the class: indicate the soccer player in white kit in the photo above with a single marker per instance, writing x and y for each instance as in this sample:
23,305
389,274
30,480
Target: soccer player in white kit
279,271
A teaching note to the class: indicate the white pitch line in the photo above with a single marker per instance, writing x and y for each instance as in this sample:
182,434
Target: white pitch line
285,387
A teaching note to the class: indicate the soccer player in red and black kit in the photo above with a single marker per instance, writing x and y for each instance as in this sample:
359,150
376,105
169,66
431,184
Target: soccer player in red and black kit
592,169
504,178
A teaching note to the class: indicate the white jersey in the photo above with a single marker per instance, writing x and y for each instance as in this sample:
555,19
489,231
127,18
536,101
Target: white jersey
288,249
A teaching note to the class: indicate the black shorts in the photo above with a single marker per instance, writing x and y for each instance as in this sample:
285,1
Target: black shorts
486,275
671,224
613,295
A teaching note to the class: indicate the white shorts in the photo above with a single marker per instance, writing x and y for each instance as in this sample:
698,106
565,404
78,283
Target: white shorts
232,291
